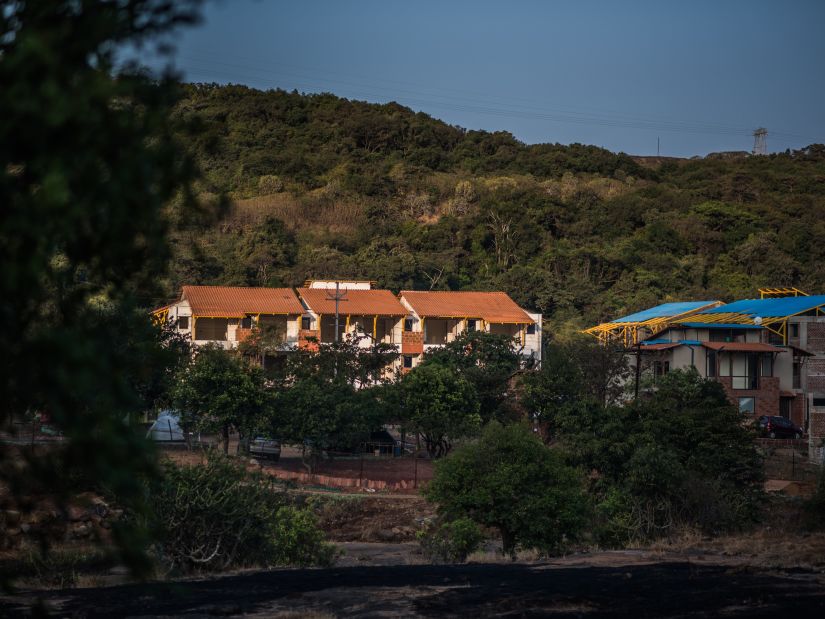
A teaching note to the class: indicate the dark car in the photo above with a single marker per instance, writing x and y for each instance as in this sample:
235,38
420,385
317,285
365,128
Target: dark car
779,427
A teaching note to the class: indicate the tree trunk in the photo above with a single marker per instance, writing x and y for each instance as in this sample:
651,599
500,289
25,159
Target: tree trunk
225,440
508,543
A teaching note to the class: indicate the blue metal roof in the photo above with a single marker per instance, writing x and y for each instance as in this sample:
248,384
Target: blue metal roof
717,325
770,308
664,310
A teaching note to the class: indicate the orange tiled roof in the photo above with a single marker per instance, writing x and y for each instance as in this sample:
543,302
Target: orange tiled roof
490,306
358,302
233,302
742,347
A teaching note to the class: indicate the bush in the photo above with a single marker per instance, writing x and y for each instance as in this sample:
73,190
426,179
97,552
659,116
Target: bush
218,515
511,481
450,542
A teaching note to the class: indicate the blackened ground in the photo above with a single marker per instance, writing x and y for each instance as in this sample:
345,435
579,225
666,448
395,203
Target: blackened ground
515,590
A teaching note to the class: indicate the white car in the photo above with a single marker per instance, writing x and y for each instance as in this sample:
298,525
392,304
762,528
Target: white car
264,447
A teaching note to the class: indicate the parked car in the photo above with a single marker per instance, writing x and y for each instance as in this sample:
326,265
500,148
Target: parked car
265,447
779,427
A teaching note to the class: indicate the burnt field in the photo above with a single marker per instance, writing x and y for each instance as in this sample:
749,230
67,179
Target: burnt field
662,589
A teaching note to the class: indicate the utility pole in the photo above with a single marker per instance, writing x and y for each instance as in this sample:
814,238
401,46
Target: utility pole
338,296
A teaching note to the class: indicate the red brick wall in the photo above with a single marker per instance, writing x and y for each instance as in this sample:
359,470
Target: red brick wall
766,397
816,337
412,342
817,428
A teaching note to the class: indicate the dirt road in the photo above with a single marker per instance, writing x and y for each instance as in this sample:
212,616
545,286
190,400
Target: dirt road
663,589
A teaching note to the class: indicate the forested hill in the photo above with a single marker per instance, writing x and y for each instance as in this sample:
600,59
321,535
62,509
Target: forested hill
322,186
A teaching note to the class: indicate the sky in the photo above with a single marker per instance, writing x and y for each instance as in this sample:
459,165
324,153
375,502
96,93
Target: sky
695,76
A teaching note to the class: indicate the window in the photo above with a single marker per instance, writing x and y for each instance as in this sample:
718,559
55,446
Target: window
306,323
711,370
531,329
819,402
747,406
767,365
213,329
471,324
408,324
720,335
408,360
183,322
794,331
660,368
246,322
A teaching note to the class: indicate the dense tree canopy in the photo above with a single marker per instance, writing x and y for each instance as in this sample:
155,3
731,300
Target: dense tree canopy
576,232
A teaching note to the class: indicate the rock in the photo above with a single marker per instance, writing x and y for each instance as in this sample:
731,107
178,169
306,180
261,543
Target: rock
12,517
13,531
384,535
25,527
253,462
77,514
81,530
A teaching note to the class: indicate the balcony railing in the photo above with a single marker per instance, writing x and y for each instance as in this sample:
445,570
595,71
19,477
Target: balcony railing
745,382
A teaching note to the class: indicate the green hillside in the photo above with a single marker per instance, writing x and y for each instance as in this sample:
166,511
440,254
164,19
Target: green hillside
322,186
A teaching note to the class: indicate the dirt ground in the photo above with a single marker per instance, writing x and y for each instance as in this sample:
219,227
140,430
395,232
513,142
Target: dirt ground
626,585
378,468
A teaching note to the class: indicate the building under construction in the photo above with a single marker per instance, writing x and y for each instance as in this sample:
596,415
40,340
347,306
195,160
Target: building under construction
768,353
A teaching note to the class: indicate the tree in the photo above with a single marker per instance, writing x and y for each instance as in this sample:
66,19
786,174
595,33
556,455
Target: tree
510,481
488,361
680,458
439,404
330,397
220,392
89,162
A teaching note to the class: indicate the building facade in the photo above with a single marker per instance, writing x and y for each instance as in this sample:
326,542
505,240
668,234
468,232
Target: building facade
325,310
768,353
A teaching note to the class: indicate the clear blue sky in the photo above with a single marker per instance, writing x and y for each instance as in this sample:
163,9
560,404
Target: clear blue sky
700,75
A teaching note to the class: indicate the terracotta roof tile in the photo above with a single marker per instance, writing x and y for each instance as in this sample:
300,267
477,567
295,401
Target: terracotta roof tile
489,306
238,301
657,347
742,347
357,303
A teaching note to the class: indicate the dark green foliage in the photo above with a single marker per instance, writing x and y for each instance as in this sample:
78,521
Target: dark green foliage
437,402
488,362
815,506
88,162
450,542
217,515
576,375
510,481
331,398
678,458
220,392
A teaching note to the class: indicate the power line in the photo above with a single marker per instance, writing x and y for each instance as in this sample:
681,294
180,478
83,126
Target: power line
533,109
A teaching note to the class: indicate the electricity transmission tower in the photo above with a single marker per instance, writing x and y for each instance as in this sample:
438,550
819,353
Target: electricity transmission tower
760,141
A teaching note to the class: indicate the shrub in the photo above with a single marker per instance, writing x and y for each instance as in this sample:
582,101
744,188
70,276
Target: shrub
511,481
450,542
218,515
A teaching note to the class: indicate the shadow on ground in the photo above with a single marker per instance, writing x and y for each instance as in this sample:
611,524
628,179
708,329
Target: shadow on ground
654,590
